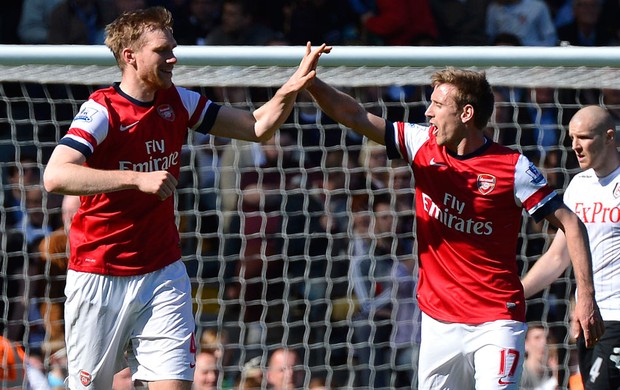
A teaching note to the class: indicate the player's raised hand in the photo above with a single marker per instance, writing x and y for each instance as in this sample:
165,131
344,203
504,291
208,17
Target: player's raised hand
307,68
160,183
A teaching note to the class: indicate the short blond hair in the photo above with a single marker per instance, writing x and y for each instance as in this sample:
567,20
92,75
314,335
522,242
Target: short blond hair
127,30
471,88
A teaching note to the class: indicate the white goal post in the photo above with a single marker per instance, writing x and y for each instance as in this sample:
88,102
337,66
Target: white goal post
571,67
42,87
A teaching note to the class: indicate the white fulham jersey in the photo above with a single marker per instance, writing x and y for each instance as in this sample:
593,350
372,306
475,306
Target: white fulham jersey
597,202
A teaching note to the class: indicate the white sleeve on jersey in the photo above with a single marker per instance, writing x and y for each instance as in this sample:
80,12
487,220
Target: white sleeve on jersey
529,180
191,102
93,120
414,137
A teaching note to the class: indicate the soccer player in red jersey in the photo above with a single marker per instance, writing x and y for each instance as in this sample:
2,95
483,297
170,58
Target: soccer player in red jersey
470,193
126,284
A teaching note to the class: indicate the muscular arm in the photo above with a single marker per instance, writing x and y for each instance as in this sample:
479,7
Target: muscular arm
265,120
587,315
548,267
346,110
65,173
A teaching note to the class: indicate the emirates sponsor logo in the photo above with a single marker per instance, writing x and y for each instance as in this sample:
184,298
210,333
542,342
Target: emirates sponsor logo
450,216
486,183
85,378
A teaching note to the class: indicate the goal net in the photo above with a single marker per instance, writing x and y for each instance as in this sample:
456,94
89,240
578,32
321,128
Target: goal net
274,235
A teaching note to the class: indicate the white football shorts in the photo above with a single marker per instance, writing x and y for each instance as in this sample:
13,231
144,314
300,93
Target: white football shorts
145,322
458,356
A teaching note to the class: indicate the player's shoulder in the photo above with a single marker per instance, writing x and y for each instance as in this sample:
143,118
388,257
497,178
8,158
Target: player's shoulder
494,147
501,153
102,93
180,91
407,126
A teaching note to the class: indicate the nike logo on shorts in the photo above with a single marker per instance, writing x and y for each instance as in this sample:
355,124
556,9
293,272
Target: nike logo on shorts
502,382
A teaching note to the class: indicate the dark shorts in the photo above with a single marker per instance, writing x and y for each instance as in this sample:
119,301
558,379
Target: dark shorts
600,366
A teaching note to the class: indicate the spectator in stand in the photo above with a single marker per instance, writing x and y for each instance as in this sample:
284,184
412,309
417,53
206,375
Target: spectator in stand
400,22
308,252
460,22
18,370
405,340
80,22
207,373
34,23
401,182
57,371
37,227
282,373
21,176
54,254
587,28
238,26
199,19
540,368
36,224
375,163
542,107
373,270
341,177
248,383
307,123
317,383
217,342
13,284
256,276
529,20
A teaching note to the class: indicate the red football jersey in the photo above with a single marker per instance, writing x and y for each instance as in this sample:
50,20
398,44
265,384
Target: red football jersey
130,232
468,212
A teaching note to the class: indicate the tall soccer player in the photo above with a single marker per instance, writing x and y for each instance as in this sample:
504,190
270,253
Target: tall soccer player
470,193
126,285
594,195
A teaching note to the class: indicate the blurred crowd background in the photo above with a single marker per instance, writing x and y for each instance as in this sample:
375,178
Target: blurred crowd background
304,243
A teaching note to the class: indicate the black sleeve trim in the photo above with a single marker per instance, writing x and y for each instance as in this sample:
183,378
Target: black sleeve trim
390,142
548,208
85,150
209,119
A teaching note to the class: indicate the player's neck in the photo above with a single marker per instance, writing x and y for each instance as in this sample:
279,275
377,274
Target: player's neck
137,90
610,166
470,144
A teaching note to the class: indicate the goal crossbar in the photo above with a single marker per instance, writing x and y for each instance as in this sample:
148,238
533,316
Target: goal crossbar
267,66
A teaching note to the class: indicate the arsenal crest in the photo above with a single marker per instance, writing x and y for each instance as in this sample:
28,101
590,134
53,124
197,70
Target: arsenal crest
486,183
85,378
166,112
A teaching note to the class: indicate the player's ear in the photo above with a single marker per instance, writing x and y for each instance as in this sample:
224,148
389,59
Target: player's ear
128,56
610,135
468,113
